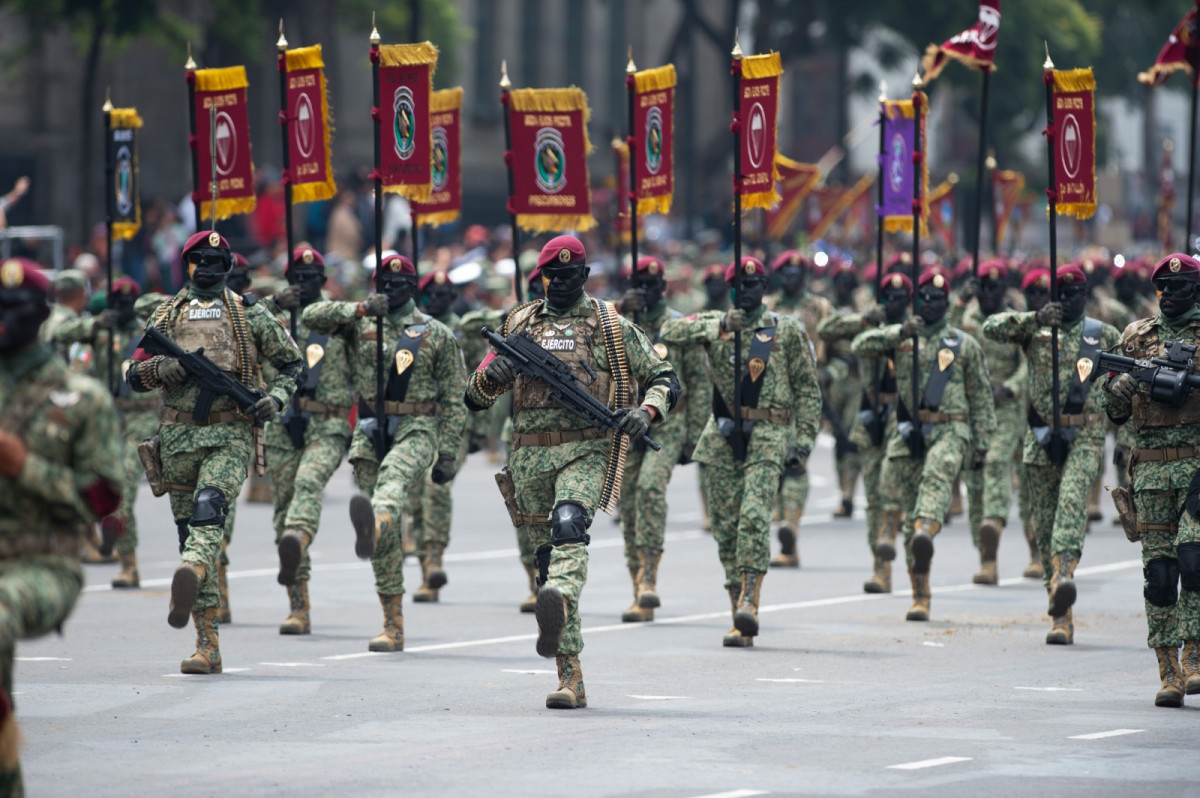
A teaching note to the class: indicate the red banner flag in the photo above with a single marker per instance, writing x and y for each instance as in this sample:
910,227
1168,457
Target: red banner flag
405,87
1007,187
941,212
796,181
1074,133
831,203
445,202
550,146
309,153
225,90
758,107
654,129
1182,51
975,47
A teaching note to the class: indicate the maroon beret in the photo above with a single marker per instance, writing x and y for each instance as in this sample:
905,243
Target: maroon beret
397,264
898,280
1070,273
789,257
714,270
651,265
205,239
1177,263
562,250
432,276
1038,277
935,276
994,269
897,259
19,273
240,262
750,266
126,286
307,256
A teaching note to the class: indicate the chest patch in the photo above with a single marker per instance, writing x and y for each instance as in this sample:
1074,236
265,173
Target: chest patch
558,344
202,313
65,398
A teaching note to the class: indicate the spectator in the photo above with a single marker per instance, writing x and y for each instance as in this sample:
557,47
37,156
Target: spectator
11,198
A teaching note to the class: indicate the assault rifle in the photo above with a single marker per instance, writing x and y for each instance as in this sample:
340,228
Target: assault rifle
534,361
212,381
1170,378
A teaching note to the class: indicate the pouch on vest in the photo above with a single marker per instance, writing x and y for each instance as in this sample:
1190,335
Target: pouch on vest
369,424
1058,447
150,453
1123,501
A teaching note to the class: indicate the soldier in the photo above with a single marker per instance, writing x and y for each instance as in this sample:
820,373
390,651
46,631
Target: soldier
1058,490
559,464
306,445
1165,459
204,465
781,406
60,469
118,327
873,424
843,386
70,299
643,507
422,424
955,412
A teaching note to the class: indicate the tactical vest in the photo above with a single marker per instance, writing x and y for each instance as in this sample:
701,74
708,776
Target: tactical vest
314,355
220,327
571,341
1144,344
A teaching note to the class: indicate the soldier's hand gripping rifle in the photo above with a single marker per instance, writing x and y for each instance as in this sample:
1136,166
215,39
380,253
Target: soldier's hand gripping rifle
1170,379
204,373
534,361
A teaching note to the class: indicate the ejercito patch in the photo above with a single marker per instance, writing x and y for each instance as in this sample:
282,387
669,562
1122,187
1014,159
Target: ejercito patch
558,344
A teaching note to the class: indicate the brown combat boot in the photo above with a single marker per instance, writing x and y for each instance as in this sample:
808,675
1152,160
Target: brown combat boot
551,614
919,611
881,581
648,579
846,511
207,658
129,572
1062,630
1191,666
1034,569
367,525
433,578
530,604
956,498
185,586
392,636
925,530
734,638
424,594
1062,583
787,557
989,547
635,613
111,528
885,545
299,622
570,693
1171,692
745,620
89,550
292,545
223,587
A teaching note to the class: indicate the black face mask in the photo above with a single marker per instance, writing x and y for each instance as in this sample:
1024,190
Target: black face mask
564,284
123,304
437,298
991,295
537,290
791,279
1176,295
652,287
21,315
209,268
1036,297
1127,291
895,304
843,286
933,305
749,298
715,288
238,281
1073,298
310,279
398,288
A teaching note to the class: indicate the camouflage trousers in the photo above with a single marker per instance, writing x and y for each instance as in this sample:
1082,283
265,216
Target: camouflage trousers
1058,501
431,509
872,473
845,397
221,467
298,478
388,485
989,490
920,487
138,427
36,596
740,497
792,495
643,505
539,491
1169,626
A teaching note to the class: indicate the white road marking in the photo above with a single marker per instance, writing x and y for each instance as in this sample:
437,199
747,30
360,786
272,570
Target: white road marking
529,673
657,697
734,794
1053,689
932,644
1102,735
932,763
43,659
794,681
292,664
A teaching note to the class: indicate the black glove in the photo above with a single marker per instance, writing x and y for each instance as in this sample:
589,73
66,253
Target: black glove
873,317
1121,390
1001,393
108,319
796,459
912,327
170,372
288,298
633,301
443,470
969,290
978,458
477,443
735,320
633,422
1050,315
1121,457
375,305
265,409
1192,502
501,371
686,453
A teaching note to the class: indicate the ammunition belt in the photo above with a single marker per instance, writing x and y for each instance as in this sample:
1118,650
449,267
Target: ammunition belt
931,417
323,409
1167,454
772,415
558,437
64,543
135,405
171,416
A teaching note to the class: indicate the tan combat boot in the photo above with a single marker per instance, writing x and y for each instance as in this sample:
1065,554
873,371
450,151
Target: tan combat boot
1171,692
368,526
885,545
635,613
956,498
292,545
1062,583
551,614
530,604
881,581
570,693
745,620
89,551
989,547
424,593
787,557
299,621
1034,569
129,572
648,579
919,611
1062,630
185,586
734,638
1191,666
207,658
925,530
392,636
223,586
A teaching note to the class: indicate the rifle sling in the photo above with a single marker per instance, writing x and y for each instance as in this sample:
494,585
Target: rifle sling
410,340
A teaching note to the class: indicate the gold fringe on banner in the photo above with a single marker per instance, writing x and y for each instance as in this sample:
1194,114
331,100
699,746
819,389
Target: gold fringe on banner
898,109
443,101
441,217
228,207
932,66
394,55
656,79
1079,80
659,204
1159,72
756,67
768,65
310,58
224,79
1074,79
550,101
304,58
127,119
549,223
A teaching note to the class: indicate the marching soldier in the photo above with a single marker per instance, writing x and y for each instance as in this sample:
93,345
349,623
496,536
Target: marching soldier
561,469
643,507
204,465
70,300
305,446
60,470
929,446
1059,481
843,386
781,407
422,424
1165,515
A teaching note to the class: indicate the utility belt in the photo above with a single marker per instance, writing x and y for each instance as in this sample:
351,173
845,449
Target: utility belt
135,404
1167,454
932,417
168,415
366,409
1127,513
771,415
558,437
324,409
1066,419
64,543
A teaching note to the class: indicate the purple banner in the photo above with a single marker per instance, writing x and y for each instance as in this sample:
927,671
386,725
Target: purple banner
897,162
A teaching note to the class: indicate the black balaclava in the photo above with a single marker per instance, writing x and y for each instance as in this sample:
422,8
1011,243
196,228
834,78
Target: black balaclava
436,298
22,311
123,303
311,279
791,279
537,289
1176,293
934,303
1036,296
398,288
991,295
238,280
1073,297
895,304
564,283
1127,291
209,267
714,289
750,297
652,287
844,284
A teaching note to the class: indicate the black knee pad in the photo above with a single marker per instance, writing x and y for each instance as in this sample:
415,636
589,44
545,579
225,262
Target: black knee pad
210,508
1162,578
568,524
1189,566
182,530
543,564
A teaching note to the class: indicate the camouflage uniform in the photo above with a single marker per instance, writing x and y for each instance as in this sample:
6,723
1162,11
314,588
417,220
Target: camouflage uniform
1109,309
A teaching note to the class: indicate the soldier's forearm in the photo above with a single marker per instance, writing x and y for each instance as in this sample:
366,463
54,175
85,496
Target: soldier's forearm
326,317
53,482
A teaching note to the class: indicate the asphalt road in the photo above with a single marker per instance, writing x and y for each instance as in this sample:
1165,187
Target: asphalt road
839,696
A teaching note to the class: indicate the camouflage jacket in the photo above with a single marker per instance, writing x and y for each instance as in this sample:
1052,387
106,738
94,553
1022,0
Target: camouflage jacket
1021,328
474,345
1006,359
74,470
789,381
968,392
844,328
59,315
694,407
438,371
88,345
810,310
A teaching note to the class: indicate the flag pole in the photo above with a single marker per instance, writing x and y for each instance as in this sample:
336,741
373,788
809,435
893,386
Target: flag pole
616,148
190,67
631,142
980,166
879,194
380,441
414,35
109,202
285,127
1052,198
1191,168
737,437
918,171
505,86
